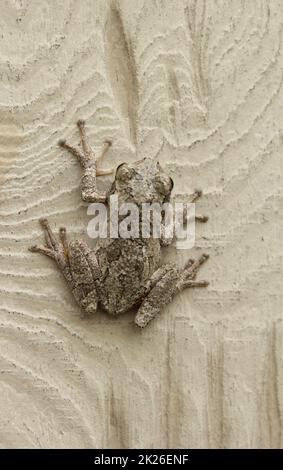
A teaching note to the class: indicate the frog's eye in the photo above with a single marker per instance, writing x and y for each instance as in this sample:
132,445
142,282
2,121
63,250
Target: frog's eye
164,185
171,184
123,172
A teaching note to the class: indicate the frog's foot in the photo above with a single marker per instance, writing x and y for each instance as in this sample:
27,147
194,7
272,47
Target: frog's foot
87,156
57,250
201,218
183,216
77,263
162,287
189,273
90,164
194,197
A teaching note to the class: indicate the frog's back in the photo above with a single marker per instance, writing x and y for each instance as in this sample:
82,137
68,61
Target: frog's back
126,266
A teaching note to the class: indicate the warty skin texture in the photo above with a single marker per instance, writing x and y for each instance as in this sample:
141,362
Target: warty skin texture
120,273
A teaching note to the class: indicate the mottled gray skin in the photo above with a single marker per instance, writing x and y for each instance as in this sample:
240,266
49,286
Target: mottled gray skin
119,273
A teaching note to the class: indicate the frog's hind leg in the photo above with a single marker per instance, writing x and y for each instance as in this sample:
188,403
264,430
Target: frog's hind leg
188,274
85,273
89,163
76,262
165,285
194,197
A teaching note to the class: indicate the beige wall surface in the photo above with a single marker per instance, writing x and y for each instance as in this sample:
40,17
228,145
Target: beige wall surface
198,83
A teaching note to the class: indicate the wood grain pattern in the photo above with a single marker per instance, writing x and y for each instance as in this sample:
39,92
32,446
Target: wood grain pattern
200,84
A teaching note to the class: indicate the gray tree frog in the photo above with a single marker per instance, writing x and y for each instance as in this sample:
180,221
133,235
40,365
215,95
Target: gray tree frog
120,274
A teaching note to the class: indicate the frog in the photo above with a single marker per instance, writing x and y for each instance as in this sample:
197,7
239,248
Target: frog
120,274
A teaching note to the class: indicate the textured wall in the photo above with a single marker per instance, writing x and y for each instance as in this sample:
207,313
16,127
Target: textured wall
200,84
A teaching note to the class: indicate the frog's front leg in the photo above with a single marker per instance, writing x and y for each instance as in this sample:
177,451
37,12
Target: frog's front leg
165,283
89,161
77,263
182,218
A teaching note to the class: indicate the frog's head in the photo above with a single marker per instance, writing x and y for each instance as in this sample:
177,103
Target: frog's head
143,181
